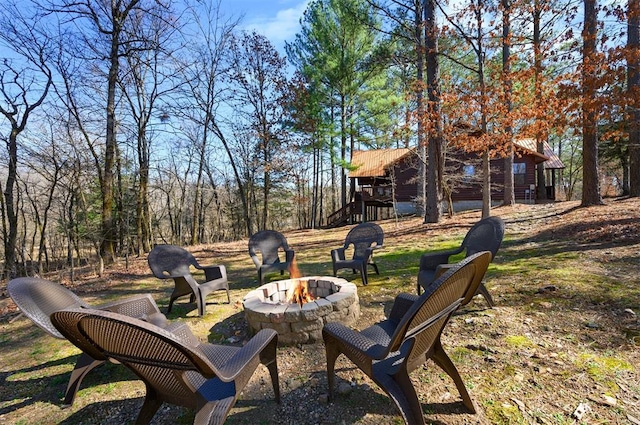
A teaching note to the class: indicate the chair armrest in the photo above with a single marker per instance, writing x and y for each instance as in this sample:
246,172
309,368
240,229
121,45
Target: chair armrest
354,341
289,254
402,303
337,254
442,269
369,251
237,363
214,272
137,306
255,259
431,260
183,332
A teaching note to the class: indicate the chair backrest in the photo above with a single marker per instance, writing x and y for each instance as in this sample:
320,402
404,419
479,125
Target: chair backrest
485,235
267,243
421,326
167,261
362,237
38,298
157,356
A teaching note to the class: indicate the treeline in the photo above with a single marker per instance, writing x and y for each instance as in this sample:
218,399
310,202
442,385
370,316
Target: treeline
134,122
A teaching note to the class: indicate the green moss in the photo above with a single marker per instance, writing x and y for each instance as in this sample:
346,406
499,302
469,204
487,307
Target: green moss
519,341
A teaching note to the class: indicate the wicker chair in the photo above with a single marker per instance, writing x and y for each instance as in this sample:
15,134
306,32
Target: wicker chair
389,350
175,367
38,299
365,238
174,262
270,244
485,235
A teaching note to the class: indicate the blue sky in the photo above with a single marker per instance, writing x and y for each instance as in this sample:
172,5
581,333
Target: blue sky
278,20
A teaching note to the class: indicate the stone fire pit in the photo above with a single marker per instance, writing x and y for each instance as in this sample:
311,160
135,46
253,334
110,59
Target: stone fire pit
335,300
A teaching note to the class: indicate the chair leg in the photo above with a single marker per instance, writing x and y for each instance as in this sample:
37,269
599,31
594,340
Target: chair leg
272,365
332,352
214,412
375,267
149,408
401,390
84,365
485,293
441,359
202,304
418,288
228,297
171,300
363,274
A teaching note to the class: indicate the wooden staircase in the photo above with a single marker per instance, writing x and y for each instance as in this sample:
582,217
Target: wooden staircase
345,215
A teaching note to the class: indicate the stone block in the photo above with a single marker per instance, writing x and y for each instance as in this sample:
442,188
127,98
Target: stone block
268,289
292,313
305,326
281,328
293,338
341,300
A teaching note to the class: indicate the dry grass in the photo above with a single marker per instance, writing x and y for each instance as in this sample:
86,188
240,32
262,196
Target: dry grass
564,333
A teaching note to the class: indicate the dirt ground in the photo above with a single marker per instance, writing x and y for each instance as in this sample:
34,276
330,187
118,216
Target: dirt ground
560,347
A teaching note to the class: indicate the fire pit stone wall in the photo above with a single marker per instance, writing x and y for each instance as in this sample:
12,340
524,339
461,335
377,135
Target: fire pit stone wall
335,300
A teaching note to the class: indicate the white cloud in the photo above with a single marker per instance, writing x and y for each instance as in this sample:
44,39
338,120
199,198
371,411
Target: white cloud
280,27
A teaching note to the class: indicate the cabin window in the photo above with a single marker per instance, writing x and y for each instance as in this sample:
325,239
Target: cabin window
519,173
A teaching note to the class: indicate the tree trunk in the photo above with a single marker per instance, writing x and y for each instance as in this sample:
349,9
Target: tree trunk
509,193
541,189
435,167
420,108
10,269
590,180
108,242
343,150
633,87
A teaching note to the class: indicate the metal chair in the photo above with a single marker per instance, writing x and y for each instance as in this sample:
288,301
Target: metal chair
174,262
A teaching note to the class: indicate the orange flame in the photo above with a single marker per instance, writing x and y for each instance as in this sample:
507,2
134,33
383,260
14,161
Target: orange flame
294,271
299,292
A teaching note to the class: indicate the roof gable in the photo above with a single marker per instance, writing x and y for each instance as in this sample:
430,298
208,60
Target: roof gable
375,162
551,160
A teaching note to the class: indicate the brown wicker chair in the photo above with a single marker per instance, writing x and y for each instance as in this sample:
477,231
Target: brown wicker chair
270,244
174,262
175,367
365,238
485,235
38,299
389,350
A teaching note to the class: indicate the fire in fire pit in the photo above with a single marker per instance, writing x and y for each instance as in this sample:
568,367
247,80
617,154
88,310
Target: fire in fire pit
299,291
329,299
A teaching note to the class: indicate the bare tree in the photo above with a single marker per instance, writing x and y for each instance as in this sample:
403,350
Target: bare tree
146,80
104,34
259,74
24,84
206,60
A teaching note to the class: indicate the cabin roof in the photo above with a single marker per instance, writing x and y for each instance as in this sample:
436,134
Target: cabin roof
374,162
551,160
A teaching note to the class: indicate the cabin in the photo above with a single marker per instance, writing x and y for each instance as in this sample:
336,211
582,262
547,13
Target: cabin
384,181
